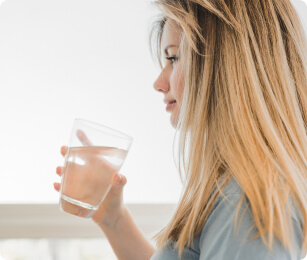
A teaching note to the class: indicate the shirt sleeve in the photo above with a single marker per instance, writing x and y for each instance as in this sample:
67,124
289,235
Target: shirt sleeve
219,241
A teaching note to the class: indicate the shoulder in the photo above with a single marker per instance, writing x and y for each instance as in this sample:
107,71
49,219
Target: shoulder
220,240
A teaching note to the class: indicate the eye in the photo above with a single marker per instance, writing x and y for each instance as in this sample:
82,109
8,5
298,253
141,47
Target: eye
172,59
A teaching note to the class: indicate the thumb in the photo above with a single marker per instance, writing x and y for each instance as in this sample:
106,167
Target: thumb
119,180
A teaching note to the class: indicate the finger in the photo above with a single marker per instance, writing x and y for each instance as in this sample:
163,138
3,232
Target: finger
119,180
57,186
63,150
83,138
59,170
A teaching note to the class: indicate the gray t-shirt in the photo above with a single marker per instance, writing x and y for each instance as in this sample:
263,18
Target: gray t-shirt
217,241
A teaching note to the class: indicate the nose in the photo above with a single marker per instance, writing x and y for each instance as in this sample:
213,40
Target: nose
161,84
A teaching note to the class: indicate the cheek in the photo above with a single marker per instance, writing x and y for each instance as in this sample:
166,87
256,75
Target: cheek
177,81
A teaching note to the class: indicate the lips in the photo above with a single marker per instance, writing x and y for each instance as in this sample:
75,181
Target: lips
169,101
170,105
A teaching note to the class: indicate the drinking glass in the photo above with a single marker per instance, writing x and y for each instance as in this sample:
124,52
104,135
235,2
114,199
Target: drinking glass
95,152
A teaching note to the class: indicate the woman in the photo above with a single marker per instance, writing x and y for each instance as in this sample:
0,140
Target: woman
234,79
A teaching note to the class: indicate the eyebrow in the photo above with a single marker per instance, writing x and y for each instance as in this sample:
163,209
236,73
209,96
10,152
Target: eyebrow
167,47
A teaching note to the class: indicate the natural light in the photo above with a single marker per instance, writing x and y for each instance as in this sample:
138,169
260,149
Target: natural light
62,60
67,59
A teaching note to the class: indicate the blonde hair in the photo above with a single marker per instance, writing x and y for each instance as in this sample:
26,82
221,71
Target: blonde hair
244,111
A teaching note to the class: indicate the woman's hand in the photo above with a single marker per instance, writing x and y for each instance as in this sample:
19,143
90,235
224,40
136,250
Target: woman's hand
112,206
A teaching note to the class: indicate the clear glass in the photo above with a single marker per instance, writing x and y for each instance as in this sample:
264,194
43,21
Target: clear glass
95,152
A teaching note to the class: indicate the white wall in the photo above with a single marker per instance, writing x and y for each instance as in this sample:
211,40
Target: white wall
62,59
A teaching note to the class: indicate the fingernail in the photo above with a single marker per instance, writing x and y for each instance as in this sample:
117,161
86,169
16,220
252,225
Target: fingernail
118,177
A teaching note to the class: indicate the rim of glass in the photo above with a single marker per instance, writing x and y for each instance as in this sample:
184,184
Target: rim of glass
100,126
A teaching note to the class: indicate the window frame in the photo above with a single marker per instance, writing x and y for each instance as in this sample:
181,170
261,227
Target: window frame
48,221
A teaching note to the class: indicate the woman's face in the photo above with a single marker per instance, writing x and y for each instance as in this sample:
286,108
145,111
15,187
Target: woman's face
171,80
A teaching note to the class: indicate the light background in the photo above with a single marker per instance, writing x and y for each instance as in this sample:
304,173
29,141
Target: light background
66,59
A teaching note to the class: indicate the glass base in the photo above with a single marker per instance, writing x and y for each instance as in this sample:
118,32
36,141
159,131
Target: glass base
77,208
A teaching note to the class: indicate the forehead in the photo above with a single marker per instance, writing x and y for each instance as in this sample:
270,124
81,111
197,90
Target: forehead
171,34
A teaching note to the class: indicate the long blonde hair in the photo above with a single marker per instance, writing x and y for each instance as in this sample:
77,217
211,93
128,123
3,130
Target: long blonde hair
244,111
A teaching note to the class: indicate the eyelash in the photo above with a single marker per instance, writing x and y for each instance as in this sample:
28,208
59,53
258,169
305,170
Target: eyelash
172,59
